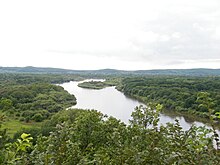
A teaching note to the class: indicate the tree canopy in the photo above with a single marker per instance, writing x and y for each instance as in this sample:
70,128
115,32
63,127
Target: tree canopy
89,137
175,93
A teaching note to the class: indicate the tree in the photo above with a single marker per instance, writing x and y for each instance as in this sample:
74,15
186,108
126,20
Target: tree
38,117
6,104
206,102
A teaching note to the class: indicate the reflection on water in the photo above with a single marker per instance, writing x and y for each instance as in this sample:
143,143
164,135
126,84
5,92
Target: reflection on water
108,100
189,120
114,103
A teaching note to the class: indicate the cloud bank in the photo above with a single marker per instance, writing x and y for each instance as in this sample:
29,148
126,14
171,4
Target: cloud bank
110,34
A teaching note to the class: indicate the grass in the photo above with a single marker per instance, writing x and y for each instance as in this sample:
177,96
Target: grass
13,126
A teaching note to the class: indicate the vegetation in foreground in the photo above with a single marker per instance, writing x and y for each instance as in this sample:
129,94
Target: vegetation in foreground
89,137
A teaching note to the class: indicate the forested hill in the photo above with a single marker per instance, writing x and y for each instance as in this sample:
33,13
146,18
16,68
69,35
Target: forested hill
176,72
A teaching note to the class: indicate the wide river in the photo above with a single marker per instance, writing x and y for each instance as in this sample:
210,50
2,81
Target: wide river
114,103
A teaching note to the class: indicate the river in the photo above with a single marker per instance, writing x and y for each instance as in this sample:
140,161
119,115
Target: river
114,103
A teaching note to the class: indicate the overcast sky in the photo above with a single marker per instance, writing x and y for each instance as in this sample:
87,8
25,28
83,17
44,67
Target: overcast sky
91,34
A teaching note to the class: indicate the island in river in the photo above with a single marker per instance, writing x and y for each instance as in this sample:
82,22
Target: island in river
98,84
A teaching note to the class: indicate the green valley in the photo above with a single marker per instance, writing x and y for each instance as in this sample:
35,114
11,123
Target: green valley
37,128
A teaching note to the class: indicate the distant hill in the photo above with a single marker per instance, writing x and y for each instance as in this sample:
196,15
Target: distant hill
30,69
181,72
176,72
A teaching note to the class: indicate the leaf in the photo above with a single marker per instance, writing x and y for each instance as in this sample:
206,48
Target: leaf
24,136
159,107
217,115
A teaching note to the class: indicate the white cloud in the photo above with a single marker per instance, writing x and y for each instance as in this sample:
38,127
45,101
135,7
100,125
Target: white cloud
121,34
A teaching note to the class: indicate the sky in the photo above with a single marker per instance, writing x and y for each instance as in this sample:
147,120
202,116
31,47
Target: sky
118,34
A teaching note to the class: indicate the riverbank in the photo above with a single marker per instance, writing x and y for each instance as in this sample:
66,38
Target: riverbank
115,103
185,95
189,116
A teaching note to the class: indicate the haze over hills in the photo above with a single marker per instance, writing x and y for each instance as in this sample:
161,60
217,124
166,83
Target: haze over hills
180,72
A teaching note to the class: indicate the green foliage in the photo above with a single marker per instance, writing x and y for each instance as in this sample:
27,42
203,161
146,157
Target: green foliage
77,136
21,79
94,85
3,139
92,138
35,132
38,117
146,116
29,98
206,102
17,152
175,93
35,101
12,125
89,137
99,84
6,104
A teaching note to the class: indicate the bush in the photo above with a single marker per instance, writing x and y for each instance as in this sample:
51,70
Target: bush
38,117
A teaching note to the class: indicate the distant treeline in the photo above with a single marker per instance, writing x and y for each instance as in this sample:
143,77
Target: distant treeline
115,72
15,79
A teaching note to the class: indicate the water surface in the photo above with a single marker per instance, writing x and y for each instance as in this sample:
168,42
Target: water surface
114,103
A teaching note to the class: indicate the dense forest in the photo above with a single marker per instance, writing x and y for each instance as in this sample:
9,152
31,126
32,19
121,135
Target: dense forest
34,101
58,136
23,79
174,93
26,99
